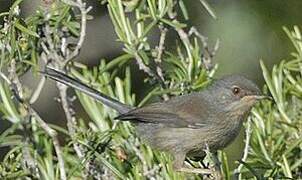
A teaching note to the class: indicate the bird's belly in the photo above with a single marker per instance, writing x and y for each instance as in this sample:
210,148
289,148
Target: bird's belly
170,139
192,141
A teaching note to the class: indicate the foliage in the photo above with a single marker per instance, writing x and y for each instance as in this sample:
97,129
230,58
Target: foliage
275,144
101,148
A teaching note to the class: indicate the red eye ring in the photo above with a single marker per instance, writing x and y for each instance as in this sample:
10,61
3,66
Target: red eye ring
236,90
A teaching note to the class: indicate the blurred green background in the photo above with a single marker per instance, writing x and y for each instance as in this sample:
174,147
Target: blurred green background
248,30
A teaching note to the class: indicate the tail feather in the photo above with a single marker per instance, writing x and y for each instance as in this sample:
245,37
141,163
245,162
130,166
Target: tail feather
69,81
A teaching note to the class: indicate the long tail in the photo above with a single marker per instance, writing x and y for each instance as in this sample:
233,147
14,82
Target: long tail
69,81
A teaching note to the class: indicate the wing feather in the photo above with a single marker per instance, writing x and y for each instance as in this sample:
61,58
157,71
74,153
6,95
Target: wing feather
187,111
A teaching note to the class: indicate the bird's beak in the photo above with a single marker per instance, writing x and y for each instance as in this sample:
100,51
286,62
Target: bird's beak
253,98
260,97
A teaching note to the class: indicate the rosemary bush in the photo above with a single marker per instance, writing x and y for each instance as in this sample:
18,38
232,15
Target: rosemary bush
102,148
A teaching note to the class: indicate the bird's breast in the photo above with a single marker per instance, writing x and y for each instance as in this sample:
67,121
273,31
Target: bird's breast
224,133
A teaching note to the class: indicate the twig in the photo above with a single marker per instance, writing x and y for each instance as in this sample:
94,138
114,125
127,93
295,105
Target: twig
84,12
16,87
161,45
71,121
208,54
13,78
160,49
30,162
248,132
52,53
142,65
158,59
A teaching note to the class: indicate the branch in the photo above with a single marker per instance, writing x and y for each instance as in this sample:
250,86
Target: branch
160,49
71,121
158,59
84,12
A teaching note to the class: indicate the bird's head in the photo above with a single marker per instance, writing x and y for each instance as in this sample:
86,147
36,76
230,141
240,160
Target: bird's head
235,93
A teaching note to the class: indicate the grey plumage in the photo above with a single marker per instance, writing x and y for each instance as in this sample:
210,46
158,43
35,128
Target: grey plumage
186,124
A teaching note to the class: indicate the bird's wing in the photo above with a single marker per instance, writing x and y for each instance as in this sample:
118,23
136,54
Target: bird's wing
185,111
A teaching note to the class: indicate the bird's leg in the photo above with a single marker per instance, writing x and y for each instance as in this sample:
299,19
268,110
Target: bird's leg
178,165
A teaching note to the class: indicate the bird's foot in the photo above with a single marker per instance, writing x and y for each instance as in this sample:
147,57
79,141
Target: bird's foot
195,170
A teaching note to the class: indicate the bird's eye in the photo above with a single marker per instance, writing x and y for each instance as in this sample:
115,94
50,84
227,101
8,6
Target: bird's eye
236,90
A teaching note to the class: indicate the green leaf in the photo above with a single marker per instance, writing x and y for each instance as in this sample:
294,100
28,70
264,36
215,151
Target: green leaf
25,30
208,8
173,23
9,106
117,62
225,166
183,9
251,169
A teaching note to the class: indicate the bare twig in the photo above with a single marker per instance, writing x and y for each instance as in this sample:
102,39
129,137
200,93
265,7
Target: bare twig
161,45
248,132
15,85
160,49
84,12
208,55
142,65
51,51
158,59
71,121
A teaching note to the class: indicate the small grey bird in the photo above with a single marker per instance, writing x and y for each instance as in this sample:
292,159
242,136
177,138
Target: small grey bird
185,125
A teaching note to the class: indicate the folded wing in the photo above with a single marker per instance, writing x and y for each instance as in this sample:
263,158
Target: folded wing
187,111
